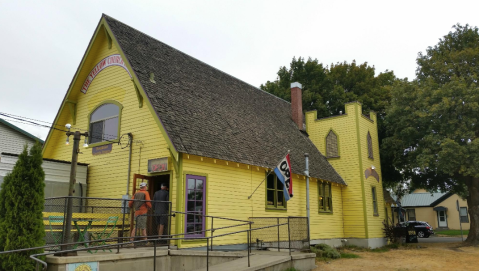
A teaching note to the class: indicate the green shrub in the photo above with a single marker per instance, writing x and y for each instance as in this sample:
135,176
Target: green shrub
21,207
327,251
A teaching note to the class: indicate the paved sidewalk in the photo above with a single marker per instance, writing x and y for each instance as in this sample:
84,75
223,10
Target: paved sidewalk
435,239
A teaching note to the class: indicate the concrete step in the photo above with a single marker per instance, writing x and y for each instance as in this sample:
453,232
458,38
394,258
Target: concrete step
257,262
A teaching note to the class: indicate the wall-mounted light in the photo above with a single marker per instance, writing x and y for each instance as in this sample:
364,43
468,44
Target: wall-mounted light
68,126
86,144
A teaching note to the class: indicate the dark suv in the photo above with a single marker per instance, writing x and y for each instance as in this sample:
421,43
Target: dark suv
423,229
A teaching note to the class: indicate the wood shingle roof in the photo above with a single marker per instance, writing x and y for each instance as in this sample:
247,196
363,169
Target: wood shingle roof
209,113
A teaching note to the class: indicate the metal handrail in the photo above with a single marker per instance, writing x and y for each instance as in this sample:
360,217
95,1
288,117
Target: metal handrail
224,218
33,256
184,236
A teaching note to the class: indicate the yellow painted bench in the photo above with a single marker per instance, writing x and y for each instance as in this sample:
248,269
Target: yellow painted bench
99,219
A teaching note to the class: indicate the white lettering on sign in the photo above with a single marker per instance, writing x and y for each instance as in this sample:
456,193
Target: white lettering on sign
113,60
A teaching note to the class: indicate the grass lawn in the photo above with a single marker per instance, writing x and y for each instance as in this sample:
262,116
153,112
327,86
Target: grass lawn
453,232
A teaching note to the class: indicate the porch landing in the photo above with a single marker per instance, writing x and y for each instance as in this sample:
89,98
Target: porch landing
187,260
268,260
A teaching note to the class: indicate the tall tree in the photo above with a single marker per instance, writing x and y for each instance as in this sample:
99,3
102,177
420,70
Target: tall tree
434,120
327,89
21,207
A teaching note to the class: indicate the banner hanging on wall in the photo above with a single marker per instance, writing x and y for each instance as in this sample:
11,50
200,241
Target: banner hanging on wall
113,60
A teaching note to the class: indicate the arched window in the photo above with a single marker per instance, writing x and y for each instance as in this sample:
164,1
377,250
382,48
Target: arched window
104,123
332,145
370,146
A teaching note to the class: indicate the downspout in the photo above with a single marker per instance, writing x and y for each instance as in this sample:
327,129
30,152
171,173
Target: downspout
306,172
130,139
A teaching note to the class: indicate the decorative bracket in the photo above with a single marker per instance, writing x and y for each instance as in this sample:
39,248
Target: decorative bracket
138,94
72,105
108,37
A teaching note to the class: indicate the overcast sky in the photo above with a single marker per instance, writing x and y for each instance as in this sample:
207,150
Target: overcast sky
43,41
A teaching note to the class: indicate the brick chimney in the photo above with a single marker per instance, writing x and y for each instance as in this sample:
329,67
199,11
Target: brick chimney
297,104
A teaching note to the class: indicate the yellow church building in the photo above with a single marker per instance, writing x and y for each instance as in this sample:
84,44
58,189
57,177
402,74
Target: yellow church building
158,115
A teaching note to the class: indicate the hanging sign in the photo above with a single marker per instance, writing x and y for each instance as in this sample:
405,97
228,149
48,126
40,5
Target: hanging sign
158,165
113,60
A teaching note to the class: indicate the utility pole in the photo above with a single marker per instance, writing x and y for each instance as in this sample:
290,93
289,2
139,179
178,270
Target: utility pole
76,149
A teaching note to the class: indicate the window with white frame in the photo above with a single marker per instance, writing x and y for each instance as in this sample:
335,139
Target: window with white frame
463,213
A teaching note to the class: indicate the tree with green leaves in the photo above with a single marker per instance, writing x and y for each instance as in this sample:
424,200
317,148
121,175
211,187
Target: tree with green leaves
328,89
433,121
21,207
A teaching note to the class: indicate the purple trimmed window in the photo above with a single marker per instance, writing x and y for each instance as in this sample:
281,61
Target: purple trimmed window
195,205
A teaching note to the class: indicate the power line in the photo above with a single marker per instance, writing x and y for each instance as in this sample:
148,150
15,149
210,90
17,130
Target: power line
30,121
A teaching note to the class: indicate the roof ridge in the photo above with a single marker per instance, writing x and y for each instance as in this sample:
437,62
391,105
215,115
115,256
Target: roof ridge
105,15
20,130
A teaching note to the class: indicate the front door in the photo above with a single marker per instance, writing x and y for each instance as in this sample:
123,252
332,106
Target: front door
442,219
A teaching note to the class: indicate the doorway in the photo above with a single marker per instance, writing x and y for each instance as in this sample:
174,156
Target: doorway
442,219
154,184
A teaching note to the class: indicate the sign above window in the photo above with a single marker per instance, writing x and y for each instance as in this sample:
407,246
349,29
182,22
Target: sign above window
113,60
158,165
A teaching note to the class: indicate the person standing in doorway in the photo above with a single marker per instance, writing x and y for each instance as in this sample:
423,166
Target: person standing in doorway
141,203
161,199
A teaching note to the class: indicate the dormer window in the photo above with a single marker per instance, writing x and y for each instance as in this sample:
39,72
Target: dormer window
104,123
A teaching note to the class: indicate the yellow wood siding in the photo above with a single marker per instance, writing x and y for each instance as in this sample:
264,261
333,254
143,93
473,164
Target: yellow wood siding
351,166
229,184
107,173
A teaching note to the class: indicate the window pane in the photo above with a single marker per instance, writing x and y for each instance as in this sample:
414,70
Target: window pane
463,211
199,184
280,198
327,188
279,185
191,195
321,203
190,218
270,197
105,111
111,129
191,206
96,132
198,219
191,183
199,206
190,228
198,228
199,195
270,182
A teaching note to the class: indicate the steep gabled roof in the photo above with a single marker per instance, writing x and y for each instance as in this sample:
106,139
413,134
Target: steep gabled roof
209,113
21,131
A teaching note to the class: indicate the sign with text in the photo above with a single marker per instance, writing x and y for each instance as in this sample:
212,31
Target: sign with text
89,266
113,60
101,149
158,165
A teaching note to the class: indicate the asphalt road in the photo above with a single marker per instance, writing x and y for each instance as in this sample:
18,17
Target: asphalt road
435,239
